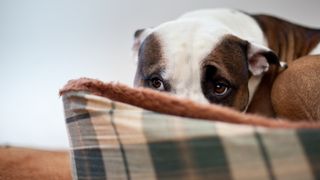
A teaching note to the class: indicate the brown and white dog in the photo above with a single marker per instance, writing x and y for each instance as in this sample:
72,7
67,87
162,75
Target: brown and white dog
221,56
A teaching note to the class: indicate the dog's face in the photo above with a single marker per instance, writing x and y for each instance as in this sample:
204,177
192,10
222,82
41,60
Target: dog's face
205,65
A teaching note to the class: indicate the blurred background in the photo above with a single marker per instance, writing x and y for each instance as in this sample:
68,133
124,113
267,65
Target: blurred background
43,44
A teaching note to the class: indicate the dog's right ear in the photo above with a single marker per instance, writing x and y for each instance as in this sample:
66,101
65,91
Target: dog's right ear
139,37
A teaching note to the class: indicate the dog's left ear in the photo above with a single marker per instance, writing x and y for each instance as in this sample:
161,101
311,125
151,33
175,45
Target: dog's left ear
260,58
139,37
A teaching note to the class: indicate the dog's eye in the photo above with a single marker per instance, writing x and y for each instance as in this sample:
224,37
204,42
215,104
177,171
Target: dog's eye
157,84
220,88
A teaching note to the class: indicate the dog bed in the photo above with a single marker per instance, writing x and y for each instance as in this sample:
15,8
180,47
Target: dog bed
118,132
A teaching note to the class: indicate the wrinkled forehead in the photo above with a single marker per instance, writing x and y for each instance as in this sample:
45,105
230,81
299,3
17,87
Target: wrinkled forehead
195,39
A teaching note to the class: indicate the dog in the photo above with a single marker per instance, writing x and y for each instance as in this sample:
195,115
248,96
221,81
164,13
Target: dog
221,56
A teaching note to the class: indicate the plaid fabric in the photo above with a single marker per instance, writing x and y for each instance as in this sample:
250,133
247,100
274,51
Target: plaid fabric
111,140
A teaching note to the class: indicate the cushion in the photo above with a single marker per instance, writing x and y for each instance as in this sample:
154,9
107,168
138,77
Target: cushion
118,132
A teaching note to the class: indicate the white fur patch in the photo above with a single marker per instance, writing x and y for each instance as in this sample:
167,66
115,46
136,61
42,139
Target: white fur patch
316,50
185,43
253,84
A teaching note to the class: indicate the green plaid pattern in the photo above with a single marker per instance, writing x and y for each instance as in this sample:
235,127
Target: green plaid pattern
112,140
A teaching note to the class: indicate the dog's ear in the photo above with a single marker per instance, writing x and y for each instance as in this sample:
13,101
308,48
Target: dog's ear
260,58
139,37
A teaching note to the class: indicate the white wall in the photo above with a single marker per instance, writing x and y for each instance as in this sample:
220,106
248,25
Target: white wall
45,43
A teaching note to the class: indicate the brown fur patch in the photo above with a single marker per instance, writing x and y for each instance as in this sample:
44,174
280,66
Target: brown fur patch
150,59
230,59
295,93
289,41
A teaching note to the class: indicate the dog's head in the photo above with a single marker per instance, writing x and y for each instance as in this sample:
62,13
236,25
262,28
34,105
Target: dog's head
190,60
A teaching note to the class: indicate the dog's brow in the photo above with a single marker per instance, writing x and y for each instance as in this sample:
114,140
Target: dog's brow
150,55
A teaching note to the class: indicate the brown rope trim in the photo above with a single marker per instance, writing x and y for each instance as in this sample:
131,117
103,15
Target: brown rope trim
168,104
